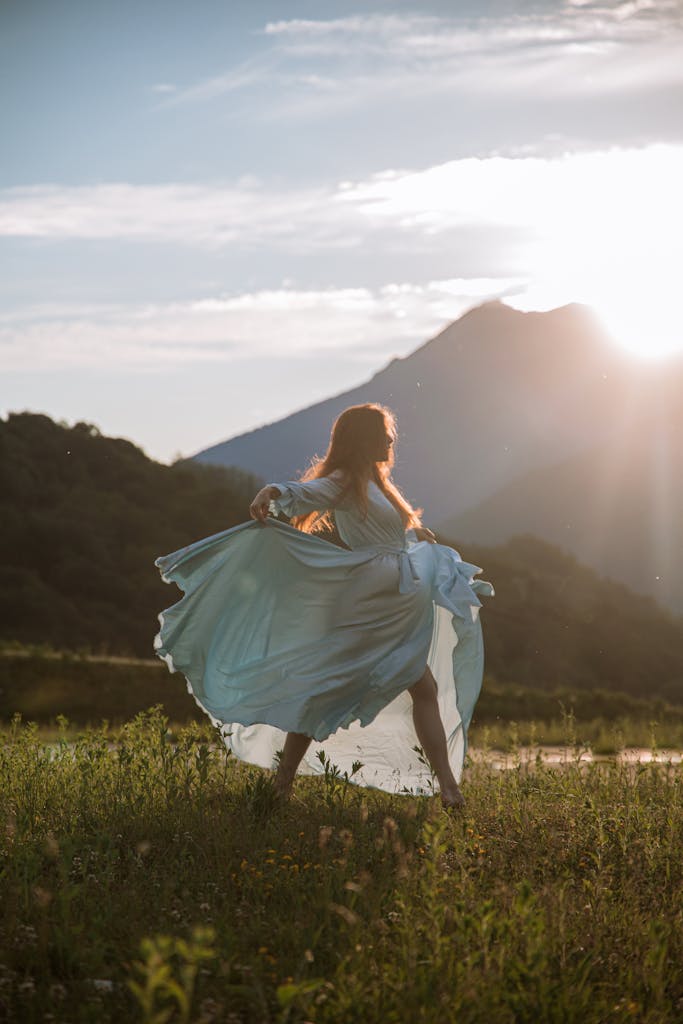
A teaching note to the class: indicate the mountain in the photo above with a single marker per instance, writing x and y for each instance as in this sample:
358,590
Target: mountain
617,507
496,394
539,410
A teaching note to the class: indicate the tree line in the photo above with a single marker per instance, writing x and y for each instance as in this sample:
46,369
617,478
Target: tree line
84,516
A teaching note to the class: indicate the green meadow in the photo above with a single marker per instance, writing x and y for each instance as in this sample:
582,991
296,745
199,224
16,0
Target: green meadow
148,876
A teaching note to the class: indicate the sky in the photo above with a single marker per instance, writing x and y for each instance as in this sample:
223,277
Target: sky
214,214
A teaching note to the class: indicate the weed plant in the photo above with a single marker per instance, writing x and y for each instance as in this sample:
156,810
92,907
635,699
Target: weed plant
156,879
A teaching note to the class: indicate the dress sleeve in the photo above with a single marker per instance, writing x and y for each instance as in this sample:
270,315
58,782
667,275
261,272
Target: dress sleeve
298,498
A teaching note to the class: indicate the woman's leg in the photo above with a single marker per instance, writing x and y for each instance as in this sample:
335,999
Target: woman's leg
430,732
294,749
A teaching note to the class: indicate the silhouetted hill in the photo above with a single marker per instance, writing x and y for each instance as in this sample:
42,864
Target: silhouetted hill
83,518
499,392
617,507
555,623
517,422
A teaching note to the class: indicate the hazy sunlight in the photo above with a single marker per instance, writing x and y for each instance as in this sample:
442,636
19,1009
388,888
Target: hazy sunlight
610,234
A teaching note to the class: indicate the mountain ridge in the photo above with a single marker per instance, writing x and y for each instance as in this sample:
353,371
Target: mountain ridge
493,399
291,441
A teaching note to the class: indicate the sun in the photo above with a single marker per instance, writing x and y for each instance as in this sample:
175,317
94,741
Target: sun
608,233
648,323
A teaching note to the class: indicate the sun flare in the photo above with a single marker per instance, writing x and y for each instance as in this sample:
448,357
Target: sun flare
609,233
650,325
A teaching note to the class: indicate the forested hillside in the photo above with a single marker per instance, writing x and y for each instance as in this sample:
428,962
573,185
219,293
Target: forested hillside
84,516
555,623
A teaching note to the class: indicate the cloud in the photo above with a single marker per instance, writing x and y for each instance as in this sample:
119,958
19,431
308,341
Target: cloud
380,55
244,75
431,35
585,226
547,196
596,227
205,215
582,226
539,194
368,324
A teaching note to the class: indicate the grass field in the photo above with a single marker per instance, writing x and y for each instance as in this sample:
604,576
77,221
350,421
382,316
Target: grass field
154,879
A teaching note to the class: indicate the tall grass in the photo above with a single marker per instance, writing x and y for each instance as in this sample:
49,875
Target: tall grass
600,735
156,879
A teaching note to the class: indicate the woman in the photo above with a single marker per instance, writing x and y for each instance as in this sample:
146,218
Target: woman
370,649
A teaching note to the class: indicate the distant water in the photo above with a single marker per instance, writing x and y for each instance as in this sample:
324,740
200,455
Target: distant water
559,756
528,757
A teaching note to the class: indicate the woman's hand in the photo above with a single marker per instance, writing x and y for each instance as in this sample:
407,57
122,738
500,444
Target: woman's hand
261,503
422,533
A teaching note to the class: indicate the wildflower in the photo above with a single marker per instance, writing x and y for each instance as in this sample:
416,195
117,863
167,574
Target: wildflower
51,846
25,935
210,1009
27,987
345,913
346,837
57,992
41,896
102,984
6,975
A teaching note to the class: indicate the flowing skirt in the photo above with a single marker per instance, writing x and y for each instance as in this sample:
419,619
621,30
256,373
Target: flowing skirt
282,631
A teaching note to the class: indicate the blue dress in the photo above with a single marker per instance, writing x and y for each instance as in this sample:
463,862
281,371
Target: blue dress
279,631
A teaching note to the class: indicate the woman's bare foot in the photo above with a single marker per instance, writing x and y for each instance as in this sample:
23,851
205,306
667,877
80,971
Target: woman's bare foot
288,761
452,799
282,784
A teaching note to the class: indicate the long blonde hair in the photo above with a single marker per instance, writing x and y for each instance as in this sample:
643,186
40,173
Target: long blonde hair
356,435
